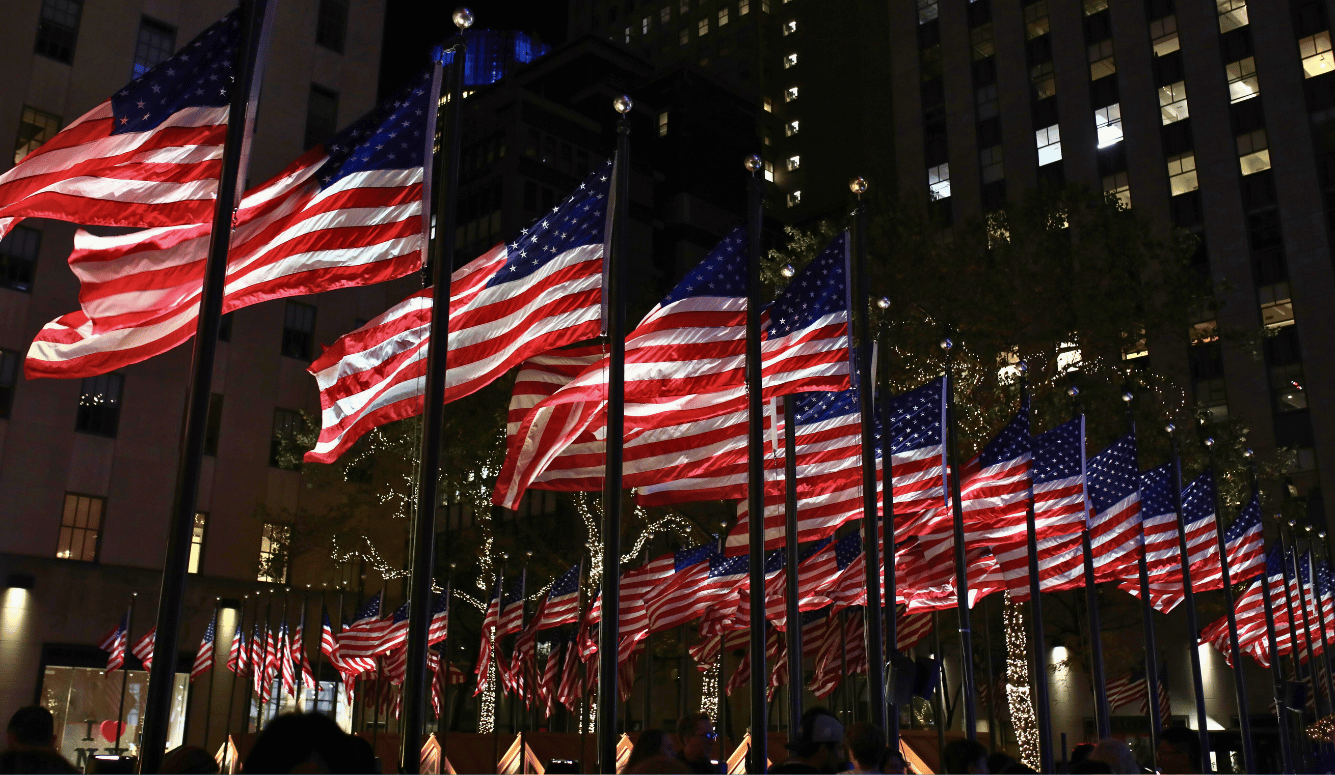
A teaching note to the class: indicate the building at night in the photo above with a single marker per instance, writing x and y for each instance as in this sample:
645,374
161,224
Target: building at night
88,467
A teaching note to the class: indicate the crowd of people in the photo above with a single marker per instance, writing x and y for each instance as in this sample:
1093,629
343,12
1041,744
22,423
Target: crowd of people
312,742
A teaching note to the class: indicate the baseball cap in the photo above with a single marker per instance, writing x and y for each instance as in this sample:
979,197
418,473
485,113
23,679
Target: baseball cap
819,728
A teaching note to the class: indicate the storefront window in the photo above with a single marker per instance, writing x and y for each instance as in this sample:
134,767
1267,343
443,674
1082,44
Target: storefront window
85,702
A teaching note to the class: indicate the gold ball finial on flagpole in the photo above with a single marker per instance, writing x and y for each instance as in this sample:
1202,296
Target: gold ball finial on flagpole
883,302
753,162
623,104
463,18
1127,396
1247,453
858,186
787,270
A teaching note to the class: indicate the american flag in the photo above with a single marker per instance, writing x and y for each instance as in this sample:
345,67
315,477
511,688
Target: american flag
547,684
236,655
1249,614
257,653
1198,513
537,293
394,633
1115,533
299,657
440,619
1059,482
1244,543
638,585
1301,592
149,156
114,643
283,653
329,644
569,690
994,485
677,600
847,585
489,621
562,604
828,657
204,655
358,641
910,628
511,618
917,450
1134,687
143,648
342,215
773,565
810,576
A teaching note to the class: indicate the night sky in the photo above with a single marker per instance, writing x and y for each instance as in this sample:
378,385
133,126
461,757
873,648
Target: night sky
412,27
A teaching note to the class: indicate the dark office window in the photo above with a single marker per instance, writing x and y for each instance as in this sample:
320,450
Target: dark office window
331,24
929,34
9,377
1103,92
1177,138
298,330
1309,17
989,132
58,29
1288,385
213,424
1098,27
1185,209
1207,379
1157,9
994,195
155,44
321,115
1258,191
18,258
1264,228
1045,112
934,142
35,127
1168,69
100,405
286,425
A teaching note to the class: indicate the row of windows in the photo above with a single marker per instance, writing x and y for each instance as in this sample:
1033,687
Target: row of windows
81,522
58,33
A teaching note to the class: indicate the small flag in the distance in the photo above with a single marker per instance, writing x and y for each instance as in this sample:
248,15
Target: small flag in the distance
204,656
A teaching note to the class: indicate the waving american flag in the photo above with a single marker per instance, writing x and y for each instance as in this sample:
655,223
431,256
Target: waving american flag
116,642
204,655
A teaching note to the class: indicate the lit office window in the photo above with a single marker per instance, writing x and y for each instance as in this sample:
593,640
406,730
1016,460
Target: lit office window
982,41
35,127
938,181
791,128
722,16
1036,19
197,541
80,527
1232,14
767,104
273,553
989,161
645,25
789,60
628,34
1094,6
790,94
703,28
1242,84
743,7
794,198
683,6
665,14
769,171
1182,173
794,163
1163,35
927,11
1276,304
287,424
1108,124
1044,79
685,36
1049,143
1253,152
789,27
663,124
1173,102
1101,61
1119,186
1315,53
58,29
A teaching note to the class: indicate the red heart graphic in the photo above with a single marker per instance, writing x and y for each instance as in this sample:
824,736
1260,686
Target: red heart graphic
109,728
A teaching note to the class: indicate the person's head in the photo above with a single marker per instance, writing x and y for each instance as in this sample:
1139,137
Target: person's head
697,735
962,757
866,744
32,728
1091,767
1081,752
1116,755
999,761
651,744
189,759
1179,750
1019,768
305,742
820,741
892,762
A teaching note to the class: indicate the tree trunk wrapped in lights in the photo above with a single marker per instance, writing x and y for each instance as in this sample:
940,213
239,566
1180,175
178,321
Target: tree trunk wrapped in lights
1023,721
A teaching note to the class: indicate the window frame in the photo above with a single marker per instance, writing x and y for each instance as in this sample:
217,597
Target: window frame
152,25
54,49
296,343
291,419
88,425
97,534
10,260
24,147
323,16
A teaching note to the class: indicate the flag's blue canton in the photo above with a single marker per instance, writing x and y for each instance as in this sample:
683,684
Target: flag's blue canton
1156,492
806,552
847,550
210,632
371,610
577,221
1013,441
823,405
1274,563
327,623
282,629
1323,578
811,617
915,417
1304,574
199,75
685,558
774,561
1247,519
389,137
401,613
721,566
515,593
566,584
1198,499
820,289
1113,474
721,273
1057,453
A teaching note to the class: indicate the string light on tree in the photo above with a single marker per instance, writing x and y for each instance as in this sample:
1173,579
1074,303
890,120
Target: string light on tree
1024,722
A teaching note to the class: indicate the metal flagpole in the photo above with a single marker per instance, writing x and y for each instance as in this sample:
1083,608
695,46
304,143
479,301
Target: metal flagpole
843,664
867,412
888,527
278,649
319,646
794,634
249,71
1147,606
755,490
301,656
440,265
615,317
1272,642
208,701
442,723
1320,619
1101,710
1304,749
231,692
1239,678
1193,629
125,672
1039,647
257,641
993,731
1318,689
961,569
938,707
